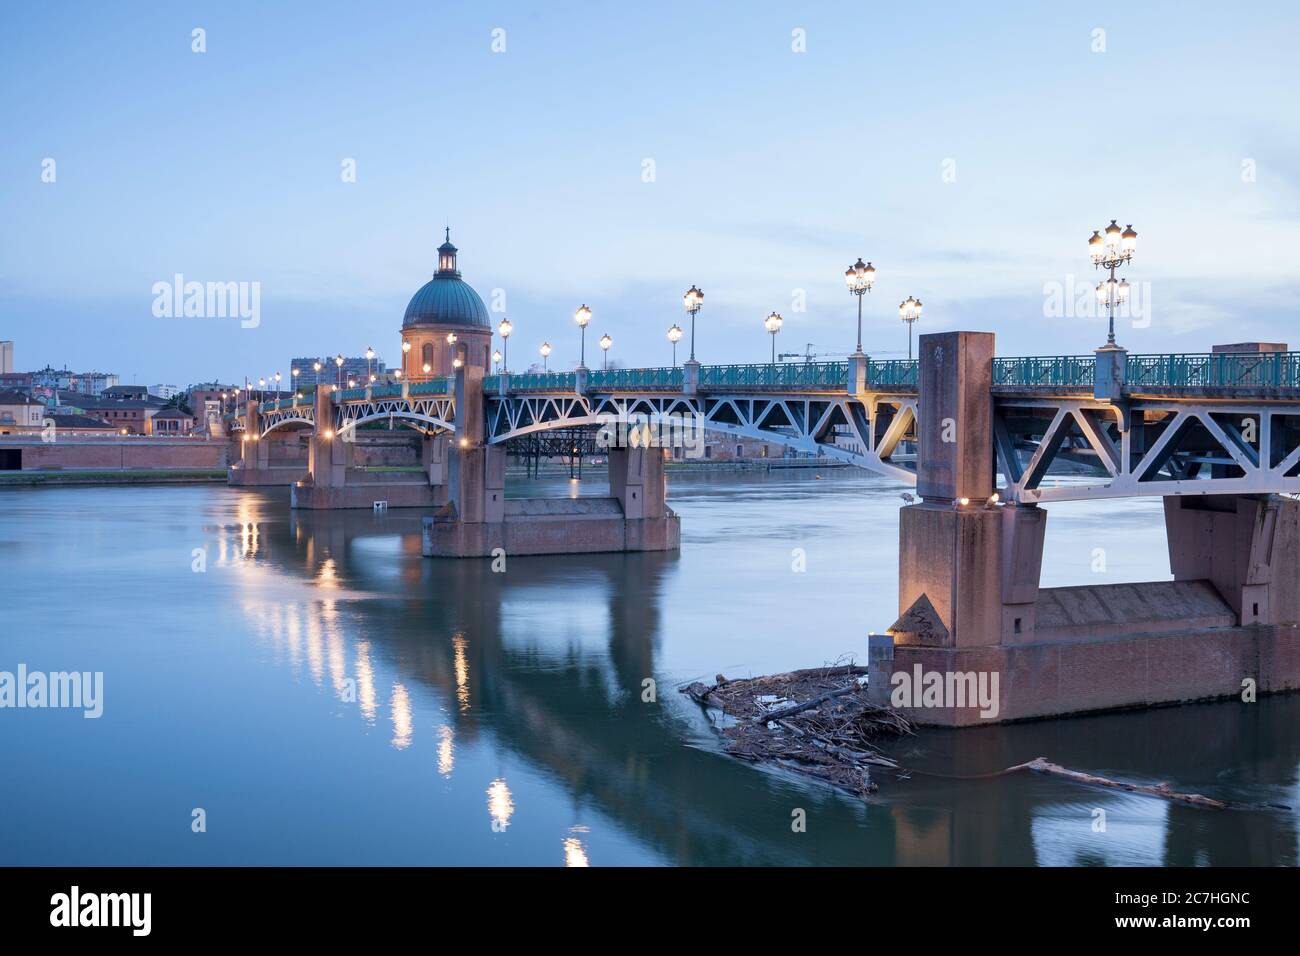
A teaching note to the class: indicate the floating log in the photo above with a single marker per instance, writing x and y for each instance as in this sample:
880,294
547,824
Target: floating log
1043,765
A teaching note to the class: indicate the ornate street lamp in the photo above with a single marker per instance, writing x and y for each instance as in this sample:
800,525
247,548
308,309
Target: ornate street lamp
427,368
693,301
496,359
338,360
1111,252
582,317
277,386
370,356
860,277
674,336
605,343
773,324
909,310
546,352
505,328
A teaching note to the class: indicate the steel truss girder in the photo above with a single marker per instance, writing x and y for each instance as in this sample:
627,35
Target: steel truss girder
435,413
301,415
1131,471
801,422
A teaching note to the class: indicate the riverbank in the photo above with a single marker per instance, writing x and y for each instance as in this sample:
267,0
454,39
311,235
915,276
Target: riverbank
134,477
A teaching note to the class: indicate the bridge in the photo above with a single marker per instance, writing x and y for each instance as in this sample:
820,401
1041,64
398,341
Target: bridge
985,441
1174,424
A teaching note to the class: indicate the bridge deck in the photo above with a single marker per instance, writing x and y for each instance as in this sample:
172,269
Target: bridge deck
1267,376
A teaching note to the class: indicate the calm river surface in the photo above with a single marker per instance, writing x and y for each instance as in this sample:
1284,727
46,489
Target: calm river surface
327,695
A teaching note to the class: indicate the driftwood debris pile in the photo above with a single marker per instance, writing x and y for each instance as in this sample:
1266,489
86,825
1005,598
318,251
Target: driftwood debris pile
816,722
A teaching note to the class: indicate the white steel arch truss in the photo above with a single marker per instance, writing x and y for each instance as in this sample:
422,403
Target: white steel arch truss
802,422
1145,448
434,413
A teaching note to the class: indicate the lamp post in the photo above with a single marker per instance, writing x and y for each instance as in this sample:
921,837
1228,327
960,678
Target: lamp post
1111,252
582,317
909,310
860,277
277,386
496,359
338,360
773,324
693,301
505,328
546,352
261,389
370,357
605,343
674,336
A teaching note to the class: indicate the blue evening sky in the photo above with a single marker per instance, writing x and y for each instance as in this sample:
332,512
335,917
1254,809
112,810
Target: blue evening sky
967,149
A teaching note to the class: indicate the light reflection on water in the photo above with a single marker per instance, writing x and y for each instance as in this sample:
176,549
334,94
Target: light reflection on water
322,677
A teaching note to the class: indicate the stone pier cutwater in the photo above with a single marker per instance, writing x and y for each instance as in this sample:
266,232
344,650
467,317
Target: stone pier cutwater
970,605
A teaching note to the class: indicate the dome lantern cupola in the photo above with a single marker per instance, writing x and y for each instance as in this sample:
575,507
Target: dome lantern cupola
446,325
447,258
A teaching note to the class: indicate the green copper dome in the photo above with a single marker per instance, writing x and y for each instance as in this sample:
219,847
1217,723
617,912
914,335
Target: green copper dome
446,299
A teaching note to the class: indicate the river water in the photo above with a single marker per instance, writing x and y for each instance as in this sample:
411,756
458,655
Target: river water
316,692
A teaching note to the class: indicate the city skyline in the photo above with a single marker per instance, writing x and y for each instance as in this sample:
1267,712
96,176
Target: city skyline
204,173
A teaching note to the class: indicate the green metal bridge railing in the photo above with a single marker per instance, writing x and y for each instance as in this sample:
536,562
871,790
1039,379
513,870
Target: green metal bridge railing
1176,370
1049,371
667,378
1216,370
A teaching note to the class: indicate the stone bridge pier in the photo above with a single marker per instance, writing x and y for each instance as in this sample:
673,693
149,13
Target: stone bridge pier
477,519
978,640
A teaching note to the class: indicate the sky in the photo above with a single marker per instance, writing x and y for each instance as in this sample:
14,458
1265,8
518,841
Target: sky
615,154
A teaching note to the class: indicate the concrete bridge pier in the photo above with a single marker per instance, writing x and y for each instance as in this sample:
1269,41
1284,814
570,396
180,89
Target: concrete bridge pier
978,640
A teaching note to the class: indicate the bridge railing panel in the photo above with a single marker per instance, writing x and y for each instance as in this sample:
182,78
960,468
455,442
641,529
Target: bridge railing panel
534,382
1216,370
435,386
784,375
306,395
1045,371
649,378
892,372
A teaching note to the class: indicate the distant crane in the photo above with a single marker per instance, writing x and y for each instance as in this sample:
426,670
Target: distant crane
809,356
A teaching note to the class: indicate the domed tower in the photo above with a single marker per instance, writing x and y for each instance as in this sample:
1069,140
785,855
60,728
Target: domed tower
445,320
